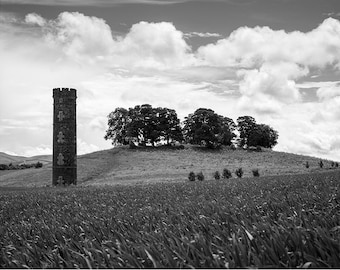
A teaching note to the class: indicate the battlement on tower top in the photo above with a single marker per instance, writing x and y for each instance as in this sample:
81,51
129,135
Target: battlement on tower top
60,92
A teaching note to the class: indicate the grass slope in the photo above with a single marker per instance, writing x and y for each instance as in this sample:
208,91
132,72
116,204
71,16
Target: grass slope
6,158
15,160
287,221
122,165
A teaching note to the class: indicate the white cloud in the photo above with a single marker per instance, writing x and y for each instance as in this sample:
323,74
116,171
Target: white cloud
33,18
329,111
158,45
251,47
266,89
203,35
29,151
117,90
309,84
152,63
99,122
328,92
300,133
272,62
35,151
89,40
85,148
80,37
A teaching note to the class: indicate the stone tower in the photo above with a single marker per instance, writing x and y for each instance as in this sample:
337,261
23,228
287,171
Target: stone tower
64,137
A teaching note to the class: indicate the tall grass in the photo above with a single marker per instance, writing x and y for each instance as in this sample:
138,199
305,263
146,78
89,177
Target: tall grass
285,222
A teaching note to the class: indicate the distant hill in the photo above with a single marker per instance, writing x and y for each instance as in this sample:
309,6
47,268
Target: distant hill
122,165
6,159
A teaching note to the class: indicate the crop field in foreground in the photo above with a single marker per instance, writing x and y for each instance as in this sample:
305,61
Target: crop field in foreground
275,221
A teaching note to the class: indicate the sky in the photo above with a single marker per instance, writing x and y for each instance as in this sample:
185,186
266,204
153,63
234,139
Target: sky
275,60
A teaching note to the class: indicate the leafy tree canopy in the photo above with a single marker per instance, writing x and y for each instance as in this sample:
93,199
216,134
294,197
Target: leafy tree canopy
143,124
263,135
206,127
245,125
253,134
118,122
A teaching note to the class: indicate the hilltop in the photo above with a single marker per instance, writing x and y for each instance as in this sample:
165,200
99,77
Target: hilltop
15,160
122,165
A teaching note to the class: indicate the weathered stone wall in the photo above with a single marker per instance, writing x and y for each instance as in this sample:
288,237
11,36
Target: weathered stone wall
64,137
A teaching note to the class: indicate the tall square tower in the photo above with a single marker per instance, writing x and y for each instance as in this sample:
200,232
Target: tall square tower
64,137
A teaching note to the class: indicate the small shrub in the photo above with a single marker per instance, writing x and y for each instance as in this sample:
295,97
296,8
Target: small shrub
132,145
307,164
256,172
38,165
192,176
200,176
336,164
232,147
321,164
239,172
4,167
226,174
217,175
333,164
258,148
251,149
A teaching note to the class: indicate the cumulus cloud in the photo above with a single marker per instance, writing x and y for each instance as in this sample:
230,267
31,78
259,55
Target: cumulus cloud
273,80
33,18
153,45
251,47
329,111
88,39
266,89
256,70
272,61
80,36
328,92
301,133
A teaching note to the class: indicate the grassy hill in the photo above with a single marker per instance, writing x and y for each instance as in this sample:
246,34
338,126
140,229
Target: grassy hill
122,165
6,159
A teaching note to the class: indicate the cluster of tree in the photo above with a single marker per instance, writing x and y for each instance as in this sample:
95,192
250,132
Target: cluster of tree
206,127
20,166
253,134
145,124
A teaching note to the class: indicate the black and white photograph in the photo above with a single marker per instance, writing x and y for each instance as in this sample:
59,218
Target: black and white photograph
169,134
